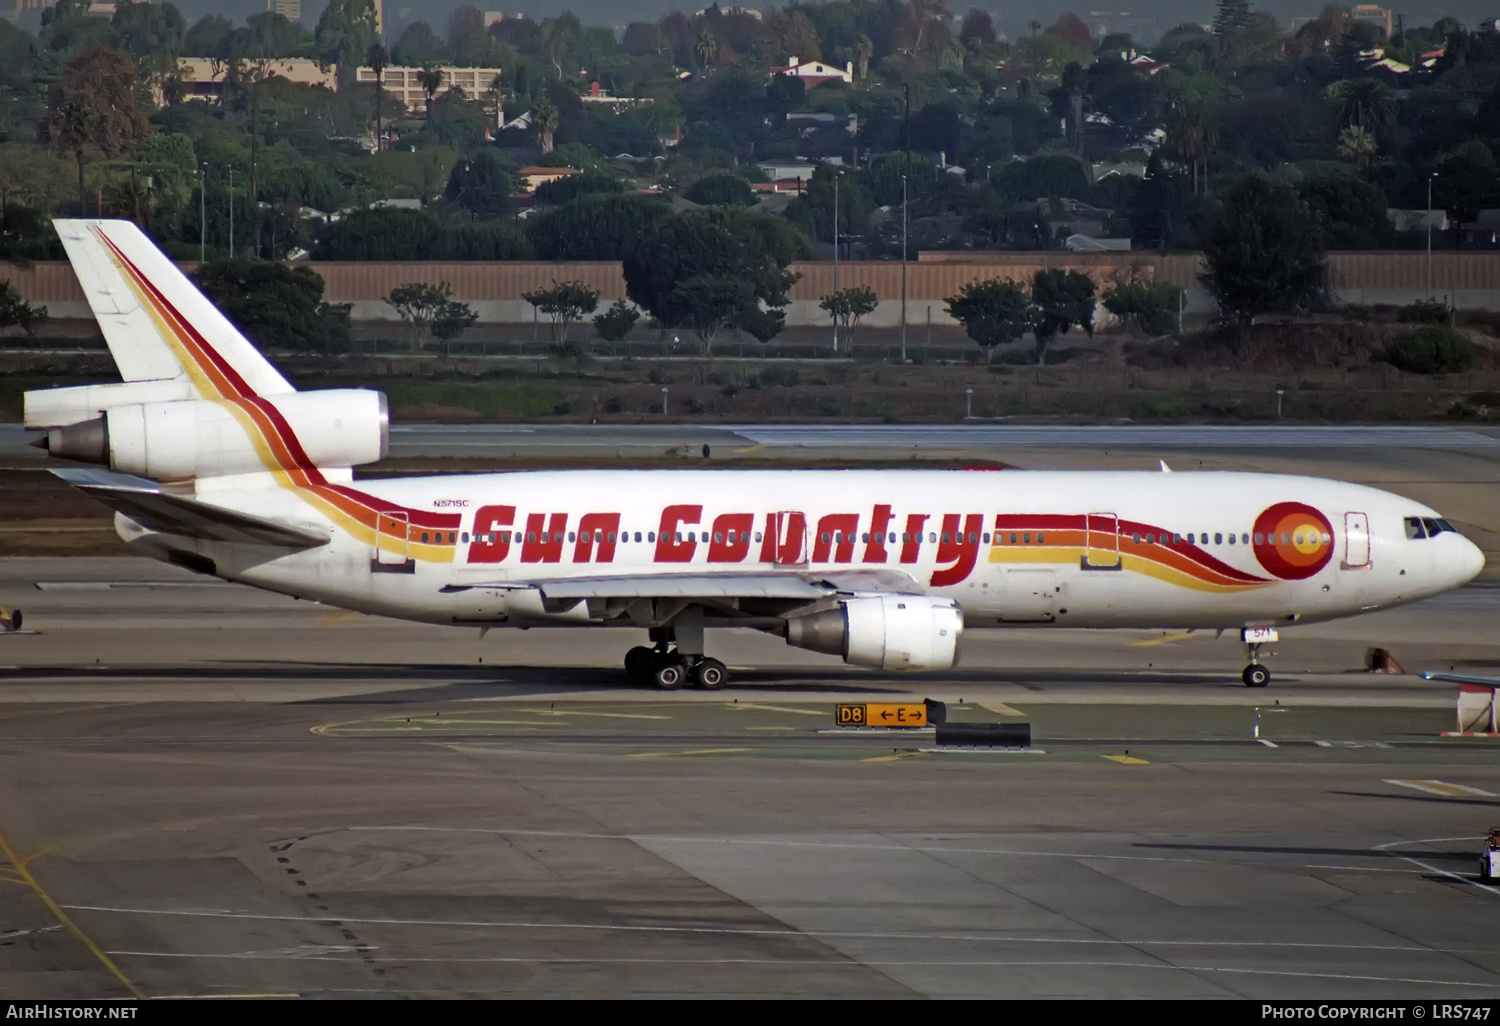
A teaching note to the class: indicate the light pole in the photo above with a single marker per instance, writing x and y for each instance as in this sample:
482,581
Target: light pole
836,176
968,404
903,268
1430,176
1279,393
663,402
203,214
231,211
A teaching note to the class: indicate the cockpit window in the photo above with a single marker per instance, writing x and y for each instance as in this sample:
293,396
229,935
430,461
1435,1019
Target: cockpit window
1414,528
1427,527
1434,527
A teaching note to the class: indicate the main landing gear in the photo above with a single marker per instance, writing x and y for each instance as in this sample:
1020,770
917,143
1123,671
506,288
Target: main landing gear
676,658
669,669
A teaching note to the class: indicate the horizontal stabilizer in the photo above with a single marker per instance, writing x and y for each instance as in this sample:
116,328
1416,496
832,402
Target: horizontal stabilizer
144,502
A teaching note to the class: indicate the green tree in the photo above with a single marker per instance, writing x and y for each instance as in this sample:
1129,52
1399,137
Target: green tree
993,312
1351,211
276,306
1150,307
544,121
345,33
1357,144
430,310
1060,300
150,34
1264,254
570,187
847,306
616,322
1191,134
721,189
93,108
596,227
564,302
431,79
714,245
482,184
411,235
15,312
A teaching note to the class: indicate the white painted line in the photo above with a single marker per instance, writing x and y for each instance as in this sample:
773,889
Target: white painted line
1268,744
1444,789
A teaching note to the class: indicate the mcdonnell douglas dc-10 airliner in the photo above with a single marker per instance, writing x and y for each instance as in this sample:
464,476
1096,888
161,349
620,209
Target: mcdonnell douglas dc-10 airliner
215,463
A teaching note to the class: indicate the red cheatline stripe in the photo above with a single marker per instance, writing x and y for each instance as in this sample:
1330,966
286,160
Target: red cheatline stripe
205,350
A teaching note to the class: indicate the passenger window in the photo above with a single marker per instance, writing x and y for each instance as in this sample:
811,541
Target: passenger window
570,536
864,537
826,538
611,536
1176,539
1231,539
1191,536
945,537
1135,538
1245,538
986,537
637,536
973,537
718,537
466,537
1218,539
1012,537
757,536
1026,538
1259,537
932,536
1040,539
651,536
893,537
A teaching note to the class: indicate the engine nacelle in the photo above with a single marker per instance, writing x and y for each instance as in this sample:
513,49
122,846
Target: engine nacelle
889,632
343,427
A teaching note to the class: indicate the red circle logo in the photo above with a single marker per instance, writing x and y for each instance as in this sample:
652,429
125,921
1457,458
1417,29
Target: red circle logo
1293,541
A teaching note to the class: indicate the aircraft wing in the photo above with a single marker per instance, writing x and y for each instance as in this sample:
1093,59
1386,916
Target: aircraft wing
144,502
783,584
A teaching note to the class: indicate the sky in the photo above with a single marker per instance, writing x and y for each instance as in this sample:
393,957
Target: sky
1163,14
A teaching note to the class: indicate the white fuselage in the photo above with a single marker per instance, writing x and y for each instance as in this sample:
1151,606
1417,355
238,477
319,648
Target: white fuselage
1068,549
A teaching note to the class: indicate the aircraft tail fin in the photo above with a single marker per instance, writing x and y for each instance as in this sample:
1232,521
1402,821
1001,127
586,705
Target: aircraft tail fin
157,324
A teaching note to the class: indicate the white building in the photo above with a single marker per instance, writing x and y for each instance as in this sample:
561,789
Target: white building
815,72
406,83
203,77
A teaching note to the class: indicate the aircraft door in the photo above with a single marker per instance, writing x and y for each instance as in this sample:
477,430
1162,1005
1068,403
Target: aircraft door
788,532
1356,541
1102,542
391,538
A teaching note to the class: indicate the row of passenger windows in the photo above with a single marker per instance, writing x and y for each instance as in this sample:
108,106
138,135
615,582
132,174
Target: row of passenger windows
1416,527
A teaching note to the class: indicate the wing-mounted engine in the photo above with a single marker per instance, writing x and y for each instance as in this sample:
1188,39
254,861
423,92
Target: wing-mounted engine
191,438
889,632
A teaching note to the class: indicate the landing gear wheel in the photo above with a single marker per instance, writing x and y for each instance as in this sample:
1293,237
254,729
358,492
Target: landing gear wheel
638,663
669,675
710,674
1256,676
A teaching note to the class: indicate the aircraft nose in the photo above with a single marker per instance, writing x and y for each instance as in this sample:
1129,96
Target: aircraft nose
1467,561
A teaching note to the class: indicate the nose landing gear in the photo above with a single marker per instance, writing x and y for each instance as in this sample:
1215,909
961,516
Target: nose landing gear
1255,675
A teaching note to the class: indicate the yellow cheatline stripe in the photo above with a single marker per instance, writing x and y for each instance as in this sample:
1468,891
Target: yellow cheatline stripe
24,873
1164,639
1127,760
696,751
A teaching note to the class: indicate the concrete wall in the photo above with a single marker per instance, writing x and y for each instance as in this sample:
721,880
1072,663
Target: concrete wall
1470,280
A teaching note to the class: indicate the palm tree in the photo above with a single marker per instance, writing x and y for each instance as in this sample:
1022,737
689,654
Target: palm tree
1365,102
705,46
1357,143
68,128
544,122
431,79
1191,135
863,51
376,58
1075,82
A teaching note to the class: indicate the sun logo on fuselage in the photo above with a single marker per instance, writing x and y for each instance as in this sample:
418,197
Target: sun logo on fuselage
1293,541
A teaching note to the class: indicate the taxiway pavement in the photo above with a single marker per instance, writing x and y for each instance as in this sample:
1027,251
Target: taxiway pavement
208,790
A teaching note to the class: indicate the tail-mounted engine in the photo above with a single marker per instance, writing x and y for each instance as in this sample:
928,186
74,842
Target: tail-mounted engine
211,438
890,632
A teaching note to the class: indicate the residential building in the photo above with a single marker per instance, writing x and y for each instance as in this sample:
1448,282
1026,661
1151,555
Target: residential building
406,83
815,73
533,176
291,10
1380,17
203,77
599,97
